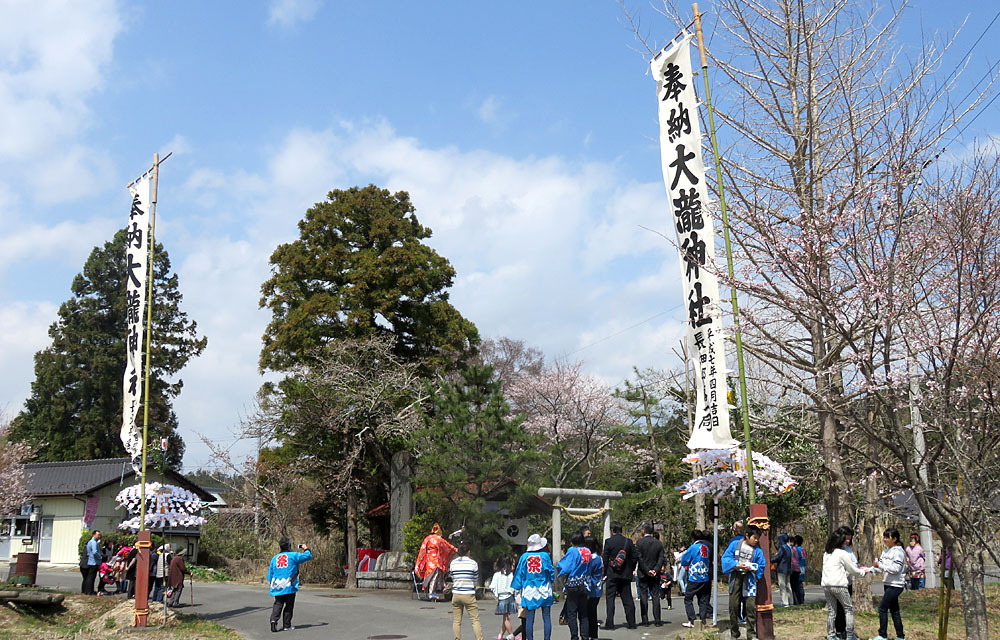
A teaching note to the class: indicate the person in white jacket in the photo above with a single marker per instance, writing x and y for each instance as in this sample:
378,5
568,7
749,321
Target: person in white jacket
837,565
892,566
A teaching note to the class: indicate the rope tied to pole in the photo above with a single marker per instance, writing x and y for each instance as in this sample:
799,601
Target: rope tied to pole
583,517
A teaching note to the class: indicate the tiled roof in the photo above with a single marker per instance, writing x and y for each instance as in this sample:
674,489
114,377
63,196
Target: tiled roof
78,477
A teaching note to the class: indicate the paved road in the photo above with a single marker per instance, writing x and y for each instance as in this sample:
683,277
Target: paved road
336,614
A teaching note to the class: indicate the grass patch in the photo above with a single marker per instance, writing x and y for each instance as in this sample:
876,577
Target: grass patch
208,574
78,618
919,610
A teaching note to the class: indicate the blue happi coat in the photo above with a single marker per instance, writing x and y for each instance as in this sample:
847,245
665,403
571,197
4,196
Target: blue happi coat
533,578
283,574
575,565
698,563
729,561
596,586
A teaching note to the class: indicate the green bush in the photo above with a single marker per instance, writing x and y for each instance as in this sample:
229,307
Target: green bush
223,541
414,532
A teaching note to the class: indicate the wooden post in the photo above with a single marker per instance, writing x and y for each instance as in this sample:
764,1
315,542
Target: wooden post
765,608
556,532
142,579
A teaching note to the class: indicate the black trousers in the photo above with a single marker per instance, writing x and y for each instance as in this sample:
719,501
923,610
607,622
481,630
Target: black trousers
738,604
288,602
622,588
649,589
840,621
89,573
592,618
703,590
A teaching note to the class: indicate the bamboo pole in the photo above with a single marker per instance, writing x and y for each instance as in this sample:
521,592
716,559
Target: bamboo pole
758,512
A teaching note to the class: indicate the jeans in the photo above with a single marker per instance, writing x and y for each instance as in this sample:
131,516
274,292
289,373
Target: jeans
576,612
465,602
529,623
917,583
738,602
286,601
703,590
156,584
890,604
621,588
839,596
592,617
649,589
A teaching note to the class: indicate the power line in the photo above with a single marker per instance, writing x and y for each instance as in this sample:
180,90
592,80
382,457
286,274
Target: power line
618,333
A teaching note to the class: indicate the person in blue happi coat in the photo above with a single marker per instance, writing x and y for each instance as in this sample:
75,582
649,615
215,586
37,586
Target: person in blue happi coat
283,578
697,560
575,565
533,580
744,563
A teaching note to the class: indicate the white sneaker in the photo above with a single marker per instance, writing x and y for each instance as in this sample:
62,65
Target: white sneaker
689,625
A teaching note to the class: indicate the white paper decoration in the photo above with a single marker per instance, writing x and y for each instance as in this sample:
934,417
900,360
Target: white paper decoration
167,505
730,472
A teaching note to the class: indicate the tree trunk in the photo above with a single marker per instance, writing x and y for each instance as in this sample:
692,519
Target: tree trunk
834,482
969,565
866,545
352,539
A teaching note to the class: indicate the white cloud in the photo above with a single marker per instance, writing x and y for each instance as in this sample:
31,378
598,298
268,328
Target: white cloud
489,110
288,13
23,331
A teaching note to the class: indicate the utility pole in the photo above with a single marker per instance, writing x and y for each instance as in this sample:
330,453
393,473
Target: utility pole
920,452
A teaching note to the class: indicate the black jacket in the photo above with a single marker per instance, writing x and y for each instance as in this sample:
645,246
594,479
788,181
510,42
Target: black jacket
650,551
612,546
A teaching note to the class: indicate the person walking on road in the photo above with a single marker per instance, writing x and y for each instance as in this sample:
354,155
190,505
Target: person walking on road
432,562
175,578
650,552
595,586
533,579
620,559
502,591
697,561
575,565
464,578
283,579
90,563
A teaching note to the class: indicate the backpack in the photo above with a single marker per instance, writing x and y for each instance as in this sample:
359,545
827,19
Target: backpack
618,562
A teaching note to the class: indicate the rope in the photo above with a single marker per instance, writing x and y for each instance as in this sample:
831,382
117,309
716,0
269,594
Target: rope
583,517
139,612
761,523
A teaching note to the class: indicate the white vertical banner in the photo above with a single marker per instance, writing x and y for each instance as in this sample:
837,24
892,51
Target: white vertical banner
136,272
687,191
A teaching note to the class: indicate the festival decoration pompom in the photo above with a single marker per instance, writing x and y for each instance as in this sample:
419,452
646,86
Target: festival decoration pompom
167,505
729,472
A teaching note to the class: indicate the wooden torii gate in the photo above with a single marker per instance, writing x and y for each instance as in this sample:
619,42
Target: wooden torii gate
559,493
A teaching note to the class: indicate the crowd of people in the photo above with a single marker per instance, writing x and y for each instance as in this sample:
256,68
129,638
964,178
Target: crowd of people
589,571
104,566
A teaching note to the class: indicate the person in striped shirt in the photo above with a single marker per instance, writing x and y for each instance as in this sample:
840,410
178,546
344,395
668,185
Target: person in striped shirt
464,578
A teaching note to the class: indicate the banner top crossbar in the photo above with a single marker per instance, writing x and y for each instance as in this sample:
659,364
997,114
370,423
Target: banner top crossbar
148,171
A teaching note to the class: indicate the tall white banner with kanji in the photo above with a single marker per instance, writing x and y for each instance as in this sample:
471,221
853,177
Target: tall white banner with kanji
136,272
687,191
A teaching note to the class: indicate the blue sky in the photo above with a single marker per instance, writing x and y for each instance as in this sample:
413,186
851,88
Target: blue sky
525,133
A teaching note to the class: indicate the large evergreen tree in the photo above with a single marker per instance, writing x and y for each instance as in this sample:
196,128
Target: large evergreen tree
360,269
75,408
468,444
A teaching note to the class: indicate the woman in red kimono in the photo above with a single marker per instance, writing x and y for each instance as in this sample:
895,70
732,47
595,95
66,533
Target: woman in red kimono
432,562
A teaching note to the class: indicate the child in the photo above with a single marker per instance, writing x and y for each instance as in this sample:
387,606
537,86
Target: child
892,566
744,562
666,583
838,564
500,585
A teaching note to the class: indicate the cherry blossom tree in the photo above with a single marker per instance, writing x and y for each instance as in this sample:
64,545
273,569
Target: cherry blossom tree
13,481
578,417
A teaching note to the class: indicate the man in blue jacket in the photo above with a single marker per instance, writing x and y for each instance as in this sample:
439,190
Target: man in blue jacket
697,560
91,562
283,578
744,562
575,565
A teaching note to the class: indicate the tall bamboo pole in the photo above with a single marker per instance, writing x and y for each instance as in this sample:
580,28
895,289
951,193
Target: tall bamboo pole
758,512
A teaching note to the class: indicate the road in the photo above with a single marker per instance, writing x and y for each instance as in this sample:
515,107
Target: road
337,614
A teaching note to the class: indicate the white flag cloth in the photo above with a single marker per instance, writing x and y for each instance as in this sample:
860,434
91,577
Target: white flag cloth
136,254
687,191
